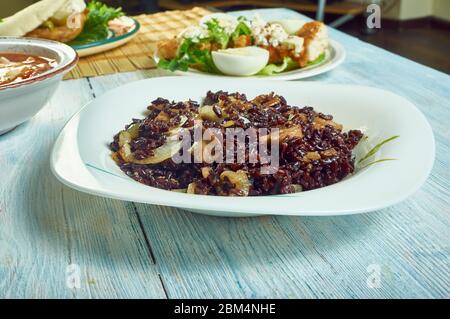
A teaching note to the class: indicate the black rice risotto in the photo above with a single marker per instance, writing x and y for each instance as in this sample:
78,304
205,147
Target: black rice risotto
313,150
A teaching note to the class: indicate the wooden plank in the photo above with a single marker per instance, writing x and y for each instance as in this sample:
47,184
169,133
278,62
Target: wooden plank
342,7
200,256
44,227
295,257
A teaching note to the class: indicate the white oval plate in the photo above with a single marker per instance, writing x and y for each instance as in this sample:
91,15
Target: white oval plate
335,55
81,157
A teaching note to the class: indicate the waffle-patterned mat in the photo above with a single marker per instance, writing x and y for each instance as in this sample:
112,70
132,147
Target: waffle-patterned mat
137,54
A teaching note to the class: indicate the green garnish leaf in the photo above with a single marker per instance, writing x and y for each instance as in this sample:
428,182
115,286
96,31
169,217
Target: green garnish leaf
377,147
272,69
378,161
96,26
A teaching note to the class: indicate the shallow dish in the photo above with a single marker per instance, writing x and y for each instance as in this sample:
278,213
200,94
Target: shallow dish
81,156
113,41
334,56
21,100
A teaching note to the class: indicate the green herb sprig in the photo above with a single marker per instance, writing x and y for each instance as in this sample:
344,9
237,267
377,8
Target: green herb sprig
377,147
374,150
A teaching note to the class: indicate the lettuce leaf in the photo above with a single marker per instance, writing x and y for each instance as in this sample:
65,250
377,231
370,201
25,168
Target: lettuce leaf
319,59
288,64
189,54
272,69
241,29
96,26
217,33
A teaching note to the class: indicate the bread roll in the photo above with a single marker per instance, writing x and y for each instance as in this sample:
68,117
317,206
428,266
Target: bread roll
64,33
30,18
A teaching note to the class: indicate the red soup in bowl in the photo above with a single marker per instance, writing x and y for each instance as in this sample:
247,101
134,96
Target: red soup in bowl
15,67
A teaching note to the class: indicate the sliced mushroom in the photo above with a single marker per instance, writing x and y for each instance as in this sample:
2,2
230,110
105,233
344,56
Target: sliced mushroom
320,123
162,116
312,156
294,131
329,152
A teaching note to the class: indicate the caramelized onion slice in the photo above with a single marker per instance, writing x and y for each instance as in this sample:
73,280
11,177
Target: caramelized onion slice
239,179
125,137
320,123
206,112
191,188
179,190
160,154
228,123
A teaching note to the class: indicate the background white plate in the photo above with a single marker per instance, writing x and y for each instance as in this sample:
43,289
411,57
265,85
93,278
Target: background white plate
81,157
335,55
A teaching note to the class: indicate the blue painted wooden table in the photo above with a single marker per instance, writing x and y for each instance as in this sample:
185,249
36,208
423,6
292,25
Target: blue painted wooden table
59,243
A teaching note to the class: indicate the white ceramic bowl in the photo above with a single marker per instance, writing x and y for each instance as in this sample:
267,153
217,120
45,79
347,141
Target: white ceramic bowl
22,100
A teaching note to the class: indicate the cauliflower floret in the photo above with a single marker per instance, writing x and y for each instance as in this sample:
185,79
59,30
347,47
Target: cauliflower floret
294,43
226,21
266,34
194,32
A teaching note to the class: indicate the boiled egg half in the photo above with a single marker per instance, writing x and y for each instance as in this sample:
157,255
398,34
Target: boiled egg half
241,61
